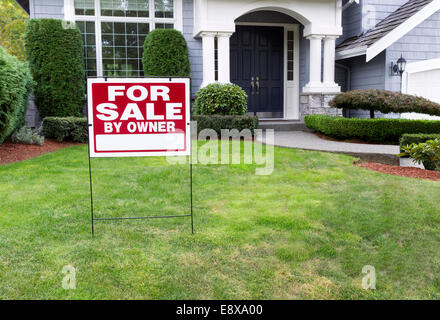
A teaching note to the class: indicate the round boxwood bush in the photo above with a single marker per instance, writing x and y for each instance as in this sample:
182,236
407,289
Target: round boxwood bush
223,99
165,54
15,85
385,102
55,56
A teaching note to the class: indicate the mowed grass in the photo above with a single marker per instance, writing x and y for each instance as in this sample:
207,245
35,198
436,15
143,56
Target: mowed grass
304,232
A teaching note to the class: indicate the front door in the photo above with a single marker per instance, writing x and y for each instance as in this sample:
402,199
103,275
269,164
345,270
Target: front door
257,66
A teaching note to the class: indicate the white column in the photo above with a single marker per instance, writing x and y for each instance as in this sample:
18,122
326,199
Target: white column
224,70
315,84
329,63
208,58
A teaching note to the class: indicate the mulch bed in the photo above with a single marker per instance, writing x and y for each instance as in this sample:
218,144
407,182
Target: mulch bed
401,171
13,152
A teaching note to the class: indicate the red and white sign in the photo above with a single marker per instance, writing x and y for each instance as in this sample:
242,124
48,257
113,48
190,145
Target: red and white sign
139,117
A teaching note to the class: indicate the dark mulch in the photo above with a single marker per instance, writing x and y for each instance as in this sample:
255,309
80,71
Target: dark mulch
401,171
13,152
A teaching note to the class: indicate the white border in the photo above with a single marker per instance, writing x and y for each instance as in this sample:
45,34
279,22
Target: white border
291,108
94,154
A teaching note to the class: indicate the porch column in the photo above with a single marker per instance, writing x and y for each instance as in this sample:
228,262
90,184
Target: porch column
315,83
208,58
329,63
223,57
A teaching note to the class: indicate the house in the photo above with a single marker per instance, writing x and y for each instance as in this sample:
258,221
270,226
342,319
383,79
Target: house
286,54
379,32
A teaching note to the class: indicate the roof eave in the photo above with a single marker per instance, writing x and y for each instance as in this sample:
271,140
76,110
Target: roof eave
350,53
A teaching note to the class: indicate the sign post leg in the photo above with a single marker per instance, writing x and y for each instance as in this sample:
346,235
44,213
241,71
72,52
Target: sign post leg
91,193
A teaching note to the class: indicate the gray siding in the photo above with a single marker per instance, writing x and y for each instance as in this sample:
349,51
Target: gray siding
382,9
46,9
421,43
194,45
351,21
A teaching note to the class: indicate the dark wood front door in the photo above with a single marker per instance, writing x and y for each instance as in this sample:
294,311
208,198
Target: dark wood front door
257,66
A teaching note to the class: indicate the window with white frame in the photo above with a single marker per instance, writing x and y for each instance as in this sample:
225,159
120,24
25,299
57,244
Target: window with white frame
114,31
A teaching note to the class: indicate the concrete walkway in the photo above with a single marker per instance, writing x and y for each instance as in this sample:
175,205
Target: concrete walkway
306,140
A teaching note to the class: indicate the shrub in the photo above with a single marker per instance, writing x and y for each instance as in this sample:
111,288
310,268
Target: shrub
56,59
27,136
219,122
385,102
372,130
15,85
426,153
408,139
69,128
165,54
224,99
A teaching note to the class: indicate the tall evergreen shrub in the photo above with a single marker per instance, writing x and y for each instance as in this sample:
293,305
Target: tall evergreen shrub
55,53
166,54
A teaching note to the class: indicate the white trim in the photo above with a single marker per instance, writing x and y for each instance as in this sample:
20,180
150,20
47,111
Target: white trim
291,108
185,152
349,53
402,29
415,67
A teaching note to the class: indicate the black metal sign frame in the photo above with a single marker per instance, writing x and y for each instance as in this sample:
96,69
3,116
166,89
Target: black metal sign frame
93,219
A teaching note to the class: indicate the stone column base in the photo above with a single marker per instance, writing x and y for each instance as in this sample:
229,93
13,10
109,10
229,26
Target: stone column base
317,103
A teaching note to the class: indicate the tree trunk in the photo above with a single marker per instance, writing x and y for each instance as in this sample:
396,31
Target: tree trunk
372,114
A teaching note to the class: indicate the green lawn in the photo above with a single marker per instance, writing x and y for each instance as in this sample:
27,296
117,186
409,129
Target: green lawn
303,232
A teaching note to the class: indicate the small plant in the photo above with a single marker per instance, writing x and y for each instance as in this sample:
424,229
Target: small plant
28,136
428,152
221,99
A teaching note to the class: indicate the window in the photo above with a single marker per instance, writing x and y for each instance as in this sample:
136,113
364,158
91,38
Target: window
85,7
290,55
122,48
114,31
88,35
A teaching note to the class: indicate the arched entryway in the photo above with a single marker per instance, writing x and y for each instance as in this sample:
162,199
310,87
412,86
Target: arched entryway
264,61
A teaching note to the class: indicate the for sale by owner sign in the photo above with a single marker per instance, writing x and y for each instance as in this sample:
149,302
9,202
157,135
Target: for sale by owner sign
139,117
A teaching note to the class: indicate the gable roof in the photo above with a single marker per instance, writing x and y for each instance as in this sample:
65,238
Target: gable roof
389,30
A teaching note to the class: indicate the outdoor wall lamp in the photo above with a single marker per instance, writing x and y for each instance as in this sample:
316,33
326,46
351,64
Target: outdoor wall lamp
399,67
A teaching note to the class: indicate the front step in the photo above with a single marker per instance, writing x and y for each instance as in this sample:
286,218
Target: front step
282,125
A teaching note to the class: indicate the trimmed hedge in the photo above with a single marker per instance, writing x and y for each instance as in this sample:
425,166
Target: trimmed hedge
15,86
66,129
385,102
371,130
56,60
219,122
224,99
165,54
